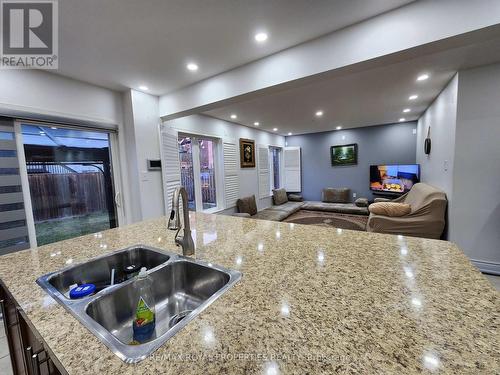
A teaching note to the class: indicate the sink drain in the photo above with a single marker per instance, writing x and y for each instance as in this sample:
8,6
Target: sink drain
178,317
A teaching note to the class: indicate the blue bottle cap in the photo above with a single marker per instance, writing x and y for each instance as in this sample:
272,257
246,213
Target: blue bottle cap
81,291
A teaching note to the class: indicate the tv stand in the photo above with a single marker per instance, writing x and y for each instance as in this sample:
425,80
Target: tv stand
387,194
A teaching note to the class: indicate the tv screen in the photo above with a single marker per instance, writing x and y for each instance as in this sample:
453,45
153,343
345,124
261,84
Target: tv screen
394,178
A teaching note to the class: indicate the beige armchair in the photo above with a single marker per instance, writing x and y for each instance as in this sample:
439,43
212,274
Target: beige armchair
426,219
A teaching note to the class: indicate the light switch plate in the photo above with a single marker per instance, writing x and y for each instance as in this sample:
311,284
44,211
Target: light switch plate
354,195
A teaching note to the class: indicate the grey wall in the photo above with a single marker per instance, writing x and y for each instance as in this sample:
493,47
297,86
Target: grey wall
476,181
389,144
465,130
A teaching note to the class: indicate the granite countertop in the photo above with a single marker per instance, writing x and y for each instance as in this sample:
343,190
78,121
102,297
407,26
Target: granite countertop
311,300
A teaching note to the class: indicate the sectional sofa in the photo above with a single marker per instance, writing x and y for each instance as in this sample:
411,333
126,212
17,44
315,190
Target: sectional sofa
333,200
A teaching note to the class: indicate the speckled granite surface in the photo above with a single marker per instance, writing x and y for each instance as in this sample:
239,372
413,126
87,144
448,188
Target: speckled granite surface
311,300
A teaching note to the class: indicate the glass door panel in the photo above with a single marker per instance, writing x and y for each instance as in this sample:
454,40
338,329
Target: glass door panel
187,171
70,180
207,173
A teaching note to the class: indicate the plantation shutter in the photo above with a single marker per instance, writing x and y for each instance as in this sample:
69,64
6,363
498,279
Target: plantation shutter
292,170
170,165
264,175
13,228
231,177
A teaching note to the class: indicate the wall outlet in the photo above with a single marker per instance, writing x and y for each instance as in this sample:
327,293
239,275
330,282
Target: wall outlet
446,165
354,195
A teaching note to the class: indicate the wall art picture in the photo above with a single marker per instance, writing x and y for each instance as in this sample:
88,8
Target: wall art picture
344,155
247,153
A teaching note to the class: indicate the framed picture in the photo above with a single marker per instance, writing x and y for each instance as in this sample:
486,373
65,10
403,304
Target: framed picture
344,155
247,153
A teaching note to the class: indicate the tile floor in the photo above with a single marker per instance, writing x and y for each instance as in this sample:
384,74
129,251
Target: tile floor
6,369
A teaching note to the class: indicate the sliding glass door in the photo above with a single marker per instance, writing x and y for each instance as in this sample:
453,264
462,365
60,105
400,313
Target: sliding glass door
198,161
70,179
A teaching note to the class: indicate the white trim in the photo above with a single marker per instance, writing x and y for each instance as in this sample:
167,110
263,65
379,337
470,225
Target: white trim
39,114
30,221
487,267
117,178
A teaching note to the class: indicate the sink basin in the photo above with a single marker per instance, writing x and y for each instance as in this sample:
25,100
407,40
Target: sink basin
98,270
183,288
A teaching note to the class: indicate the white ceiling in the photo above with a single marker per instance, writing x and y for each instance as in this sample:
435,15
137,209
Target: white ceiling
371,97
127,43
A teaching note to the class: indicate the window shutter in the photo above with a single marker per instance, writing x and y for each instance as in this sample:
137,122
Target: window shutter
231,175
264,176
13,227
170,164
292,175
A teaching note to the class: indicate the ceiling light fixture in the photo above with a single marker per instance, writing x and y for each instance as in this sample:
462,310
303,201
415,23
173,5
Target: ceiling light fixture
422,77
260,37
406,110
192,67
402,119
290,133
413,97
319,113
338,127
53,128
256,123
234,117
275,129
143,88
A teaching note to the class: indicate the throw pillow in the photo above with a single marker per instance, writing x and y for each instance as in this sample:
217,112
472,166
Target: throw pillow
279,196
334,195
361,202
390,209
295,197
247,205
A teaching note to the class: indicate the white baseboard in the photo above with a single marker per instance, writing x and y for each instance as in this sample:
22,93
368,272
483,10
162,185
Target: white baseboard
487,267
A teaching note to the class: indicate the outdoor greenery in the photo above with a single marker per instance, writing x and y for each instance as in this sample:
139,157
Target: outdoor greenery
49,231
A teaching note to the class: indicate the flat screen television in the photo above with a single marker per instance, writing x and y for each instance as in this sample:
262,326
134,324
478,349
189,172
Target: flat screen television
394,178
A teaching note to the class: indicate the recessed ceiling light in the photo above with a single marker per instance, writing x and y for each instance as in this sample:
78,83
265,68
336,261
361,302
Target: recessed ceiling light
53,128
290,133
260,37
275,129
234,117
143,88
338,127
406,110
256,123
413,97
192,67
319,113
42,133
402,119
422,77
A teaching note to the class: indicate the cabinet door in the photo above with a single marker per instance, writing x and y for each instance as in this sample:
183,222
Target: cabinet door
27,353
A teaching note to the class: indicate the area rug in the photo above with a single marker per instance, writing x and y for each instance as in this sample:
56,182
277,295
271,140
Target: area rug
329,219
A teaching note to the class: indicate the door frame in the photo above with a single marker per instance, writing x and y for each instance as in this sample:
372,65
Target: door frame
115,171
197,171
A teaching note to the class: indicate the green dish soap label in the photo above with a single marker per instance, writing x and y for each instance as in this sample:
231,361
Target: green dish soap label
143,313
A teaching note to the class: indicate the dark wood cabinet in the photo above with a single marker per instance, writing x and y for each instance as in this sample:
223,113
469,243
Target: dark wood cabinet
27,352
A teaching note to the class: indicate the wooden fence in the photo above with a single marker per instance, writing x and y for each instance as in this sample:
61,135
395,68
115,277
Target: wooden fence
67,194
208,188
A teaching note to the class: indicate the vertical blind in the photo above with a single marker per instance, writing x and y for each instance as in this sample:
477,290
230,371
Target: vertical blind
13,229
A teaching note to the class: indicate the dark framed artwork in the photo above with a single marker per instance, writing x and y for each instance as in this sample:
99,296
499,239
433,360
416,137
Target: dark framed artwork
247,153
344,155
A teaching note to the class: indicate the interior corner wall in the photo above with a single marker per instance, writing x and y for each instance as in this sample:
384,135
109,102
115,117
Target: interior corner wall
142,143
465,135
476,181
381,144
437,167
209,126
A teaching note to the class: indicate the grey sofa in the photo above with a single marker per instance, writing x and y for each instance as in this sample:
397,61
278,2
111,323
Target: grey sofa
333,200
247,207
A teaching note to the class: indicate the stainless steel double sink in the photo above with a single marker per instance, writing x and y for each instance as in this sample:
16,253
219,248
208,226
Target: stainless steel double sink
183,288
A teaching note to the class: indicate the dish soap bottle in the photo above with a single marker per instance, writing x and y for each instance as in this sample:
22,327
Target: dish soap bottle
144,318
